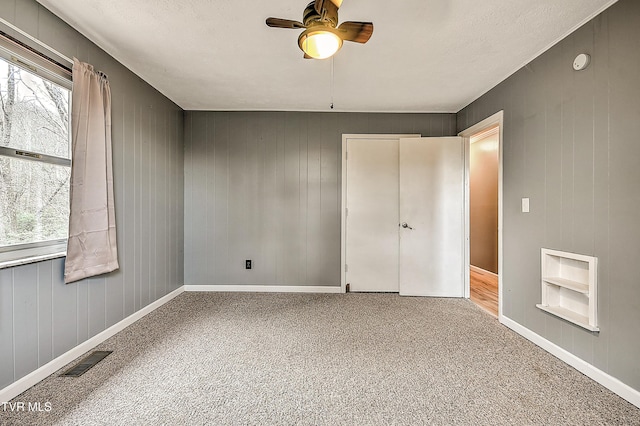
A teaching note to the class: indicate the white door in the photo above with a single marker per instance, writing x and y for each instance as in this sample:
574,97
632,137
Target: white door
431,256
372,214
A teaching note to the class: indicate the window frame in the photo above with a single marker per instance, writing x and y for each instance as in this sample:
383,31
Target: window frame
31,60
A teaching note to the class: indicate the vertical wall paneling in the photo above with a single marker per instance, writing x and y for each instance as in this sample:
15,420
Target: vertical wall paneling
266,186
40,317
237,201
146,166
188,192
82,310
272,241
292,199
65,311
584,144
571,145
96,305
330,160
155,143
553,200
533,156
303,196
160,223
114,290
45,337
199,197
314,202
137,207
126,233
6,327
567,143
25,317
602,75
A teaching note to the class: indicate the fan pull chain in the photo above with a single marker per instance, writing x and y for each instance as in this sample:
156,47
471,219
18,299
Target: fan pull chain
331,106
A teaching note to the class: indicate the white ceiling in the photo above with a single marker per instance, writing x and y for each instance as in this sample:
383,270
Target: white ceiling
424,55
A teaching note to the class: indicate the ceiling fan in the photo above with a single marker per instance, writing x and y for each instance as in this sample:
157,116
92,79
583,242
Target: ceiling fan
322,37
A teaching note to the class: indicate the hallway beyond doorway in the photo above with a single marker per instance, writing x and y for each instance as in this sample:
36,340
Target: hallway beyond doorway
484,290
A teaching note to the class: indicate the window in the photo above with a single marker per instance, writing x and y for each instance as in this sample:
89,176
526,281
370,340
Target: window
35,155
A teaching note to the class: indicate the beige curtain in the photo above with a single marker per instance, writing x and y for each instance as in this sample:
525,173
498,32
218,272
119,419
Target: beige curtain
91,249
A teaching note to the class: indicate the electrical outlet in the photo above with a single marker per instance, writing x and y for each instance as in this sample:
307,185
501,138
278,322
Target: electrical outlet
247,264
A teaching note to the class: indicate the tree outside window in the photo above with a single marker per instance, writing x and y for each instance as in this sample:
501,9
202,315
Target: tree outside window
34,157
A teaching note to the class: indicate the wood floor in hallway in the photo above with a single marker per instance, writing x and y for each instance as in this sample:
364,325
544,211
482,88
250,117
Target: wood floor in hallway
484,291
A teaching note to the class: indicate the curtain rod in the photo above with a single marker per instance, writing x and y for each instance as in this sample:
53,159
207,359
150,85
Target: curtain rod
38,42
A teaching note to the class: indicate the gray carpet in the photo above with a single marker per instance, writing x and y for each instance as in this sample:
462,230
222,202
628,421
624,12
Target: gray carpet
357,359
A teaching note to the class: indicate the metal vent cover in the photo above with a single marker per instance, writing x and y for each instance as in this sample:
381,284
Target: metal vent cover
89,361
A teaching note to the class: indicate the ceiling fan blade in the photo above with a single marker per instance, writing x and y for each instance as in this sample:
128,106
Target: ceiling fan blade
360,32
284,23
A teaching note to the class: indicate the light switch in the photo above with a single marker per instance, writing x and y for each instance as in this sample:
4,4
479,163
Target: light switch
525,205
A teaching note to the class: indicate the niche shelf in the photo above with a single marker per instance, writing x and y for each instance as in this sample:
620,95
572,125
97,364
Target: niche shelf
569,287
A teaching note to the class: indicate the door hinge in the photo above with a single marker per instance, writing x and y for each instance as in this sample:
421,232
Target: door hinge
346,268
346,155
346,211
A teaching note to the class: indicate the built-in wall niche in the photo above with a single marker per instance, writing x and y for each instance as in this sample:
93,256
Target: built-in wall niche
569,287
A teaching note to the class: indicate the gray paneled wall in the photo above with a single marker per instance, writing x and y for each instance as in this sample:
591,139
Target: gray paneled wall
40,317
266,186
571,144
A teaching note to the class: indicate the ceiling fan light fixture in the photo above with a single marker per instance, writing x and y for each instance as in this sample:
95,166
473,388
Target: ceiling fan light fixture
319,43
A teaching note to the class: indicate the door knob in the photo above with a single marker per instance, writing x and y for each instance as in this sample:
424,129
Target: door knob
405,225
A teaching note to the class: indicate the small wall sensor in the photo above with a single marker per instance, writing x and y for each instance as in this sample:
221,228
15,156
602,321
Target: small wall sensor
581,62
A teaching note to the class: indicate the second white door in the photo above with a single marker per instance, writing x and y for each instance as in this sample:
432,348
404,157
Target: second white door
431,257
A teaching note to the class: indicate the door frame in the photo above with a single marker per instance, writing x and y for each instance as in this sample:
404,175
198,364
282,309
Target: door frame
343,206
486,124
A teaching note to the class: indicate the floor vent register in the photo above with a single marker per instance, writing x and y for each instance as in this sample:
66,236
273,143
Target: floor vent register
89,361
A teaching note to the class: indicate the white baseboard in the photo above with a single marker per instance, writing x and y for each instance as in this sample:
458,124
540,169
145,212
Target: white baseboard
21,385
265,288
482,271
614,385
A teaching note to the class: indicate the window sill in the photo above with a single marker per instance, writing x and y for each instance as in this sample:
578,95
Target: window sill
32,259
30,254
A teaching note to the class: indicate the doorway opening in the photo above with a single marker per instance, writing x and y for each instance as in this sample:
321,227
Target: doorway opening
484,213
483,219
